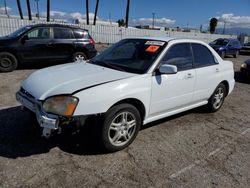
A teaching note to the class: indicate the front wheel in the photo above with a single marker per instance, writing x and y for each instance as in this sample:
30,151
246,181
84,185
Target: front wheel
120,127
236,54
8,62
216,100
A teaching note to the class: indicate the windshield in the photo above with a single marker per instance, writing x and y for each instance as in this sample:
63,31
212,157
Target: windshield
221,42
130,55
19,31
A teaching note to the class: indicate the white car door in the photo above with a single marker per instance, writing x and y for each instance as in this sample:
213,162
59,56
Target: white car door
208,74
172,91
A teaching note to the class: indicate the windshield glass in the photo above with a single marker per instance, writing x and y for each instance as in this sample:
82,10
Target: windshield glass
130,55
19,31
221,42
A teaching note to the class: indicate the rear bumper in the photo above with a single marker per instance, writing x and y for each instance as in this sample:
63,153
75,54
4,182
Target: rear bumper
231,86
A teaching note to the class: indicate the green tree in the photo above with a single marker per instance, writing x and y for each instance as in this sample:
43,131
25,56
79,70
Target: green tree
121,23
213,24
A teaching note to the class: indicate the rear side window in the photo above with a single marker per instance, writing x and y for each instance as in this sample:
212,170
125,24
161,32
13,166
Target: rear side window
81,34
63,33
179,55
202,56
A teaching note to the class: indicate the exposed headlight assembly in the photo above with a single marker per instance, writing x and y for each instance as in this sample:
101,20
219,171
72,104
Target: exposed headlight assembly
244,65
61,105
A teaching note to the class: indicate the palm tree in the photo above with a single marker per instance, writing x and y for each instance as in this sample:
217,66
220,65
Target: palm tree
96,9
48,10
19,9
127,12
29,11
87,12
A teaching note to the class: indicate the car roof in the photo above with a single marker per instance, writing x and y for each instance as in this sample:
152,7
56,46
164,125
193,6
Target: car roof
57,25
167,39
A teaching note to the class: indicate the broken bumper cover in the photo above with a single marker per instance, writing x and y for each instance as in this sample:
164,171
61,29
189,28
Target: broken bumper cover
45,120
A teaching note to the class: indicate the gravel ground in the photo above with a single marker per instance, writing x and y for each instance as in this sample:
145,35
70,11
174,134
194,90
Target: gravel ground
192,149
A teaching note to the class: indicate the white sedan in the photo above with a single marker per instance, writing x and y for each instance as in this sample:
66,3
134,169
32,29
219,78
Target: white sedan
132,83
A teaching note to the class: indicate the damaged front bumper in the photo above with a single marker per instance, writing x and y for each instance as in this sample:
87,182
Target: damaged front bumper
48,122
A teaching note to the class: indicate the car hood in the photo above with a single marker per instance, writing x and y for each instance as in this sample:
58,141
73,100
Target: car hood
216,46
5,40
69,78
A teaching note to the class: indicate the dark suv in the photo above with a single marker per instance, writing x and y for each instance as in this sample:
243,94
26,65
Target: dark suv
45,42
225,47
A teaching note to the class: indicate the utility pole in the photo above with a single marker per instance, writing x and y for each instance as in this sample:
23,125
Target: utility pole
29,11
224,28
153,24
96,9
127,13
48,10
5,6
87,12
37,8
19,9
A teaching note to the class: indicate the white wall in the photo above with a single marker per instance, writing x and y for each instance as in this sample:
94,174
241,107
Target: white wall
111,34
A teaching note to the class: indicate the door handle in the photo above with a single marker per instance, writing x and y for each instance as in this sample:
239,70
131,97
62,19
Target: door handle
49,44
217,70
189,75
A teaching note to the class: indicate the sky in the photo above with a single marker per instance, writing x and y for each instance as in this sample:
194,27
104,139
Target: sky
171,13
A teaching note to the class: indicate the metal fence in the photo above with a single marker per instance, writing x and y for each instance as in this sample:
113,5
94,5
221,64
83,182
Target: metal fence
111,34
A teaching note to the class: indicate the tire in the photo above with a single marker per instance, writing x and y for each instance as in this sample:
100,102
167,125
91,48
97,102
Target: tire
216,100
223,54
236,54
79,56
8,62
121,125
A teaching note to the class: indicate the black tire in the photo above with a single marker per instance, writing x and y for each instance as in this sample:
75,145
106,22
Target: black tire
219,95
8,62
236,54
78,56
116,135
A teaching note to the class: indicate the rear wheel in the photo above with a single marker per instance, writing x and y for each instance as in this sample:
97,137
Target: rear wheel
216,100
79,56
120,127
8,62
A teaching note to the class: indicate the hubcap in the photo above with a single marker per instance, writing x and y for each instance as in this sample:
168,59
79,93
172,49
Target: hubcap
5,62
218,98
122,128
79,57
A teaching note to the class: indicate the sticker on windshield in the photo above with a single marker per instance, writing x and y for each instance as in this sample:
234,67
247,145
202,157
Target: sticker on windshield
157,43
152,48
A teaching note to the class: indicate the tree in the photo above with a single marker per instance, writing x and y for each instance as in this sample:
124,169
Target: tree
121,23
96,9
19,9
213,24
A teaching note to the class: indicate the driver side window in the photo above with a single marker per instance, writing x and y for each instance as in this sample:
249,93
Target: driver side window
179,55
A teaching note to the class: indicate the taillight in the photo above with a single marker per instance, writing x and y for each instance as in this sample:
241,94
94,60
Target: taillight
91,41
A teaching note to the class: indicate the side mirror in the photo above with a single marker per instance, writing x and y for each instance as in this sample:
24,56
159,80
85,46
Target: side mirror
24,38
168,69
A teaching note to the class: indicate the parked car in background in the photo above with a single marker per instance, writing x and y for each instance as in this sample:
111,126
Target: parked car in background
45,42
226,47
245,69
245,48
134,82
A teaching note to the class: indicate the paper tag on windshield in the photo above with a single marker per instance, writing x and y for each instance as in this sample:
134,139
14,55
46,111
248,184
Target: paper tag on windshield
157,43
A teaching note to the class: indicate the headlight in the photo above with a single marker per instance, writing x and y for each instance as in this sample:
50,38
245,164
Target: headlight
61,105
244,65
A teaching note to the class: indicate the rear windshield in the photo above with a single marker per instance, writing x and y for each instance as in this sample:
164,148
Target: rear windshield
130,55
81,34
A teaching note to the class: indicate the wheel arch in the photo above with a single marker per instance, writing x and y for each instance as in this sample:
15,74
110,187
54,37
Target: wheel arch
136,103
226,84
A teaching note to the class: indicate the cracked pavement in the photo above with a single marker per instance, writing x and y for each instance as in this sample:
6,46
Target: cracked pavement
192,149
